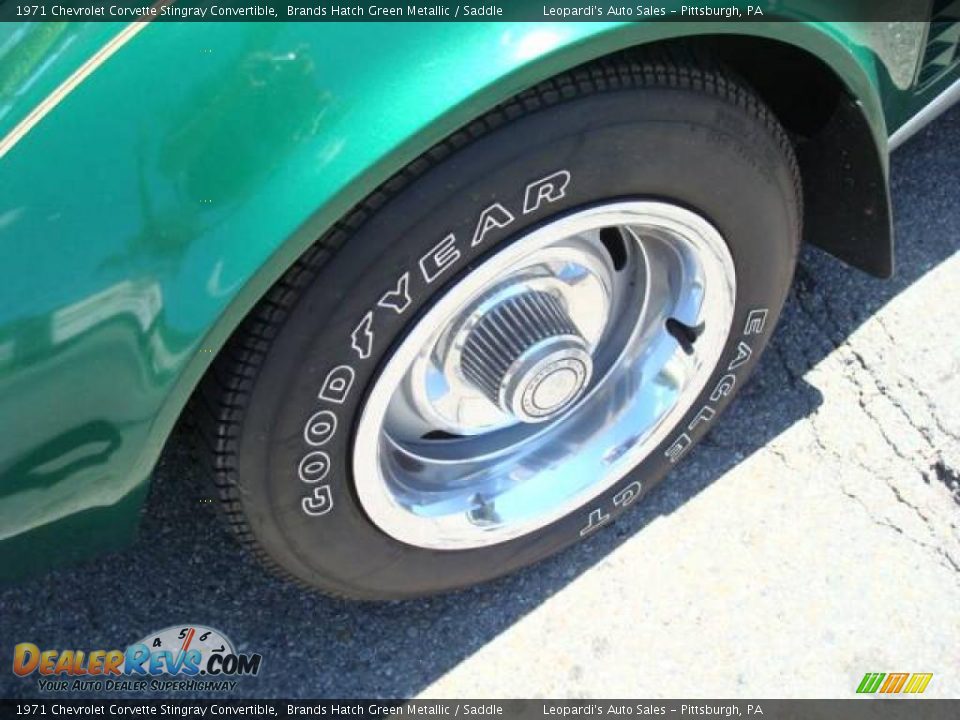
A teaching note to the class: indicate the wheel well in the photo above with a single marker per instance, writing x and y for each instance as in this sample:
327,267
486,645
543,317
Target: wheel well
799,87
846,198
846,195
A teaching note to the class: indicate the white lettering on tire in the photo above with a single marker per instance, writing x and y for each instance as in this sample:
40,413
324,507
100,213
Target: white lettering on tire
320,428
705,415
322,425
743,354
361,339
597,518
314,466
397,299
627,496
724,387
679,447
756,321
550,189
319,503
337,385
440,258
495,216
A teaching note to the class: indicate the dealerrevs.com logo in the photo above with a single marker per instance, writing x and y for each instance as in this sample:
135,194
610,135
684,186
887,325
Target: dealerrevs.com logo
180,657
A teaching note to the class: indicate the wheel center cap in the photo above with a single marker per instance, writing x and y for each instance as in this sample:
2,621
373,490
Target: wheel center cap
527,357
551,386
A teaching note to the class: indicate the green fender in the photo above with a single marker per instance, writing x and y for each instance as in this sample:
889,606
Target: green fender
149,199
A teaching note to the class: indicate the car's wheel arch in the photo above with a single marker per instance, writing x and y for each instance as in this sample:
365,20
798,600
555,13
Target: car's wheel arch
865,239
192,201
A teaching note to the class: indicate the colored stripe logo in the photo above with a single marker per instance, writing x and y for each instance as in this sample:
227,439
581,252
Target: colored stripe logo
914,683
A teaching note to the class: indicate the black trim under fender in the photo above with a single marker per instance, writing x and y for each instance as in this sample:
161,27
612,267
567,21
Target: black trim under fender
846,192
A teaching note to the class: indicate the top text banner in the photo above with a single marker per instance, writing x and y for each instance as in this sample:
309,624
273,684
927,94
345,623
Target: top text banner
480,10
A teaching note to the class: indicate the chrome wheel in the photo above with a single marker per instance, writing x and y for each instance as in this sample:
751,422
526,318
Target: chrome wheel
544,375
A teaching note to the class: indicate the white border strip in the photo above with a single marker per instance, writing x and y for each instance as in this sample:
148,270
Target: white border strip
70,84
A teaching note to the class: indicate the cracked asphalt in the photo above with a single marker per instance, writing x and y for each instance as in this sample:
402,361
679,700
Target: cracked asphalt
813,537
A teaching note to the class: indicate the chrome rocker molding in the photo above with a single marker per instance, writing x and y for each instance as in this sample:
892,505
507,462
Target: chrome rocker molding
943,102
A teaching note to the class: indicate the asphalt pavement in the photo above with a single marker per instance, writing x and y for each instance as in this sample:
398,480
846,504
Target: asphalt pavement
814,536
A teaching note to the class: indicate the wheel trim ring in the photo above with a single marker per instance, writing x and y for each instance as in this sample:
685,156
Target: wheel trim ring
460,530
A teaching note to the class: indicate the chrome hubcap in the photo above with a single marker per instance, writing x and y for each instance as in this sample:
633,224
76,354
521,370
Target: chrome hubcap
544,375
527,357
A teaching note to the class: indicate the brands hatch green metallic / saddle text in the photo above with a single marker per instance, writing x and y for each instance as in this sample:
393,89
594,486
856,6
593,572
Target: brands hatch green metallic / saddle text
522,186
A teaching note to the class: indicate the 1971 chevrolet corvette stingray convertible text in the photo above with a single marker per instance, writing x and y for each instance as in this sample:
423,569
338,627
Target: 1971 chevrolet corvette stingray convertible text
441,298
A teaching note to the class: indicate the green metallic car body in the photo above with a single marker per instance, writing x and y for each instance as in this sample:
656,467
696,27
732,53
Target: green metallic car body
156,179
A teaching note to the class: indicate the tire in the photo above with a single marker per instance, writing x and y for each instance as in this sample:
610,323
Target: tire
284,401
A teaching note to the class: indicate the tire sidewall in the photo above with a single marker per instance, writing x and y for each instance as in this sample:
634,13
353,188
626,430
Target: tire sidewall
676,146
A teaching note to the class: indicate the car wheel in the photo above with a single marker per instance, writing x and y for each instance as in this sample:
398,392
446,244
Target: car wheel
513,339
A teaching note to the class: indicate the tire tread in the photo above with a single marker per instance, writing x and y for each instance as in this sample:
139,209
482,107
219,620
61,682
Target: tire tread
217,407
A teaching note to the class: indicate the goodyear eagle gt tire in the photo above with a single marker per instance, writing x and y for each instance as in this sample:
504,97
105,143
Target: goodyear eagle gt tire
514,338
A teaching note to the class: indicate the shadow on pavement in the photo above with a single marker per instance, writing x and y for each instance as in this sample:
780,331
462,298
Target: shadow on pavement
187,569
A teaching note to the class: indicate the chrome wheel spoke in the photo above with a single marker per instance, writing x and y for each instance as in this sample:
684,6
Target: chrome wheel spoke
545,375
